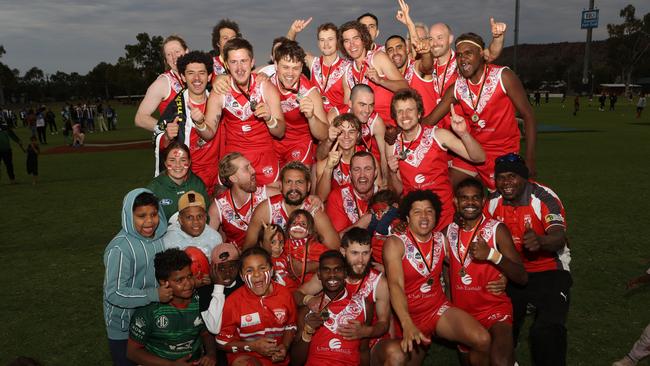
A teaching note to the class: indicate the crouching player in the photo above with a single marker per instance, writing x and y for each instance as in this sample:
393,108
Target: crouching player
174,331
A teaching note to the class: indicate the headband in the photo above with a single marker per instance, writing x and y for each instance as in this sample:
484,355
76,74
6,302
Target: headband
470,42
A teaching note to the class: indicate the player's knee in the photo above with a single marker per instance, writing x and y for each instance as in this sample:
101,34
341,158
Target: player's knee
481,340
393,355
501,356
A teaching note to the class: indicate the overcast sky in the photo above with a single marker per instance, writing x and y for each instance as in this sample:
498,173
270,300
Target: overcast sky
75,35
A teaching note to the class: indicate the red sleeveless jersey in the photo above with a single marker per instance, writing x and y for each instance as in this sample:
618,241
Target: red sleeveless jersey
423,296
204,153
329,80
327,346
383,96
422,86
234,221
468,292
443,77
497,130
297,129
175,86
218,68
426,167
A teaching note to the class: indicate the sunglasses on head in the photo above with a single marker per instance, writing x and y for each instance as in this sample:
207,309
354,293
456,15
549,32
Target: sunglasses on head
509,158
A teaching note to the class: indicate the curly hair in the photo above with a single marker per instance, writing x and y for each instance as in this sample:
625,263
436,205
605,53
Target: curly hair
420,195
198,57
363,33
289,50
216,31
406,94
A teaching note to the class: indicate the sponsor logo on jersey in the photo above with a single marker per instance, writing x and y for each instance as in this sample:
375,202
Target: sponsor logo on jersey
335,343
184,346
267,170
442,309
166,202
424,288
419,179
553,217
162,322
295,154
250,319
140,322
246,128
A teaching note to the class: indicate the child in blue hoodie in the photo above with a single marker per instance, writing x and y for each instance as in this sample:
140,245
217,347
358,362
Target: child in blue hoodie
129,280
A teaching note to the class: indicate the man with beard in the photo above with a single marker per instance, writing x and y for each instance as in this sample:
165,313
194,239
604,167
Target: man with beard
250,112
362,105
487,95
295,184
418,159
362,280
223,32
347,206
536,219
302,107
324,321
233,208
327,70
371,67
259,319
479,250
413,262
187,116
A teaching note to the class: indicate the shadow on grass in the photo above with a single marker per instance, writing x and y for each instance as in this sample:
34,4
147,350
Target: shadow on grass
639,124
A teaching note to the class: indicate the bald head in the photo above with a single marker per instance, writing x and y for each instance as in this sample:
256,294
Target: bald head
441,39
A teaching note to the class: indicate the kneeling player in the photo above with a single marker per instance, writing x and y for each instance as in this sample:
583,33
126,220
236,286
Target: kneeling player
171,331
478,250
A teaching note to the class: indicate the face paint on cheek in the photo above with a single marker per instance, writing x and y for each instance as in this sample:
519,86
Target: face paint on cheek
178,153
185,166
267,277
249,281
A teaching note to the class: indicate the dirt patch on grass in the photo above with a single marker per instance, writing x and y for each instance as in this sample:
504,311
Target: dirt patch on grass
105,146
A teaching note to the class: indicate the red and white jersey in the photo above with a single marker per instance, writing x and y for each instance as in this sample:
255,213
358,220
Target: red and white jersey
468,292
175,84
329,80
383,96
282,273
247,317
278,213
245,133
423,295
365,288
368,141
540,209
344,207
444,76
297,129
327,345
497,130
426,167
235,220
218,67
422,86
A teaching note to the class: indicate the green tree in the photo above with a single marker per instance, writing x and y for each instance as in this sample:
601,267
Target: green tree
628,42
146,56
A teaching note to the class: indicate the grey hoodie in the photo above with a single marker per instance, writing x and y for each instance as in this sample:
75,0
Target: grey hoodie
130,277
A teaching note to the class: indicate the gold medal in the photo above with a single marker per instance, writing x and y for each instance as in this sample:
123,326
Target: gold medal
462,272
475,118
430,281
253,105
403,155
325,315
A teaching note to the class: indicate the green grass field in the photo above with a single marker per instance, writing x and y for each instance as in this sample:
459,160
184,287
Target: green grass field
54,234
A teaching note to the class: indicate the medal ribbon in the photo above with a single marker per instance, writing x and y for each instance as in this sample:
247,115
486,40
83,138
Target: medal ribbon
480,91
417,246
322,71
441,86
460,245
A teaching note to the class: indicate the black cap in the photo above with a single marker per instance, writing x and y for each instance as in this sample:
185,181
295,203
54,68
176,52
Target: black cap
511,162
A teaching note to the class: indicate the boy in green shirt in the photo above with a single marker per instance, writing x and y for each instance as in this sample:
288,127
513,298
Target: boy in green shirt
161,334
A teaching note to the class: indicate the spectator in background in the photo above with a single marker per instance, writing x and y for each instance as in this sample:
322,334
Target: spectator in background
30,120
111,117
613,98
50,119
546,97
538,98
33,150
100,118
40,125
601,100
640,105
576,105
6,155
78,136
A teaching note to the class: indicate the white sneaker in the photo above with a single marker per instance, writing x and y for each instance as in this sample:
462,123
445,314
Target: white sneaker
625,361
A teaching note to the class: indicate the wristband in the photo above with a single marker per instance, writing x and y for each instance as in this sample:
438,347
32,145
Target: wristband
274,125
305,300
494,256
202,128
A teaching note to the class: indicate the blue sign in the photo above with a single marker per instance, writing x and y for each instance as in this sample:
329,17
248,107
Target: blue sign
589,19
